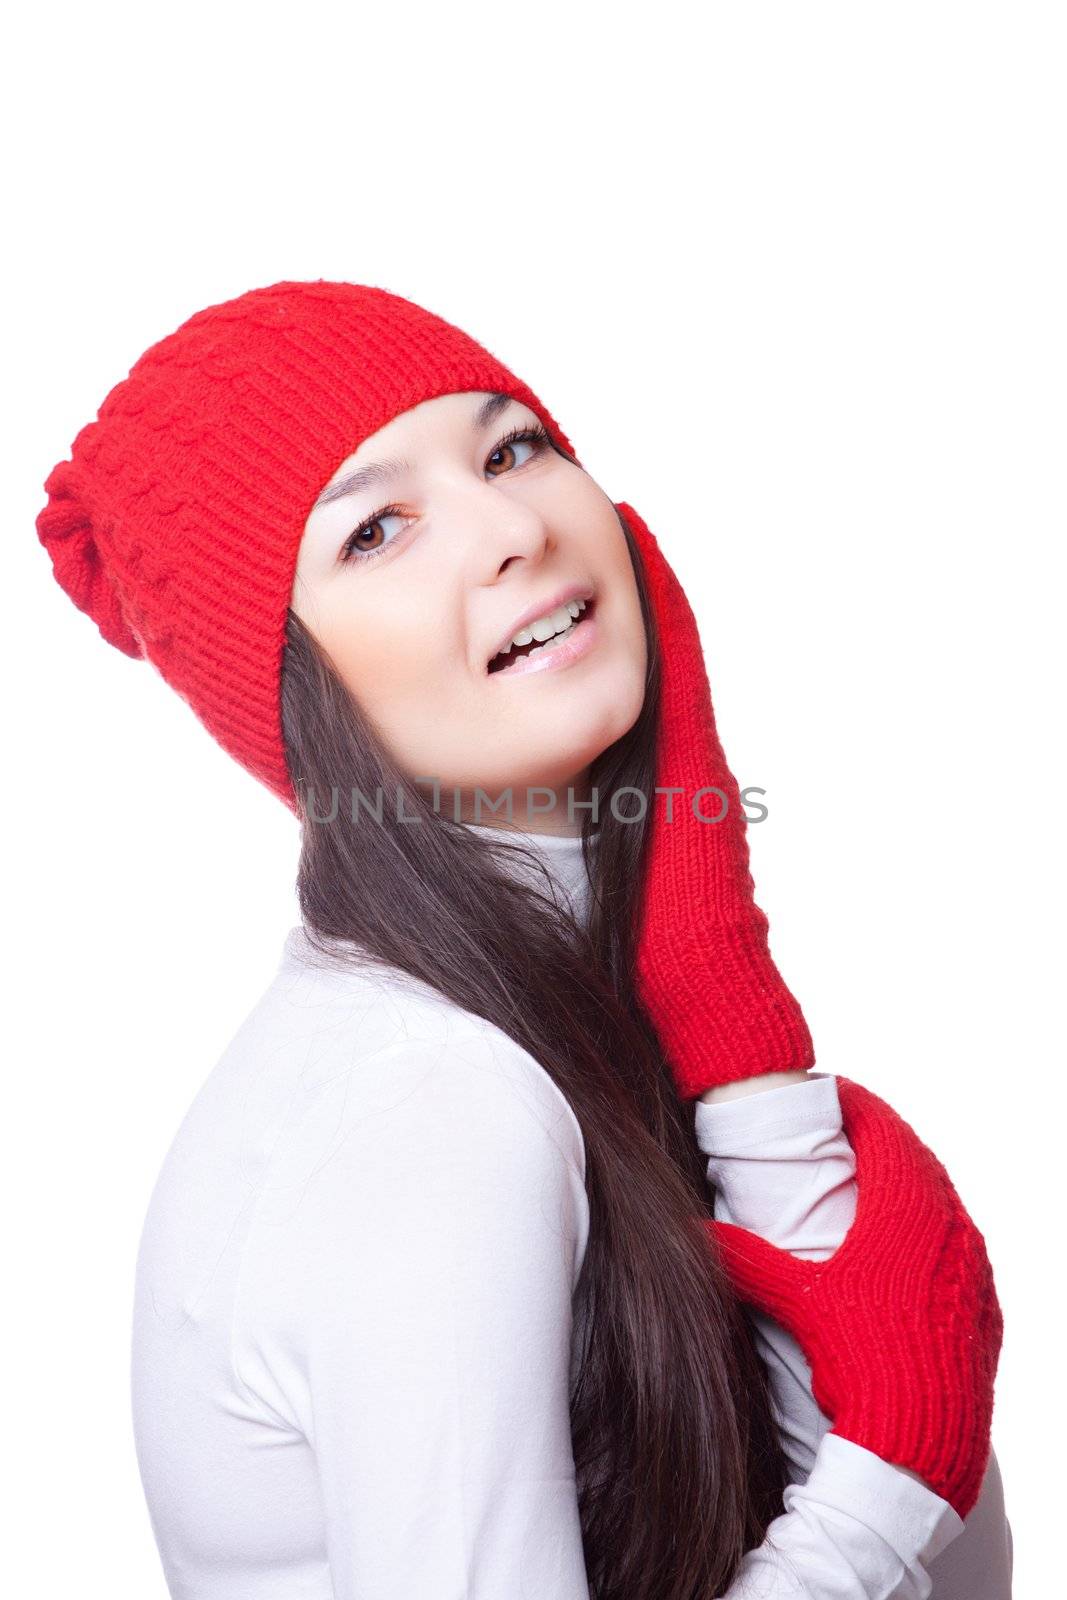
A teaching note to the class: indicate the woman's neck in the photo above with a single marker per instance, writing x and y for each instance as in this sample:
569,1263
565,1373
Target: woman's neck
561,854
563,819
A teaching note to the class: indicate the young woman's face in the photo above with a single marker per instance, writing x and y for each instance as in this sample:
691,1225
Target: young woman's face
413,578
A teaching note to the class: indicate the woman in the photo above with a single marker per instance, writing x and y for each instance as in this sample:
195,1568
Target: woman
430,1299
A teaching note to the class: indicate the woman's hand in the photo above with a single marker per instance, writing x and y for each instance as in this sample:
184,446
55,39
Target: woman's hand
704,972
901,1326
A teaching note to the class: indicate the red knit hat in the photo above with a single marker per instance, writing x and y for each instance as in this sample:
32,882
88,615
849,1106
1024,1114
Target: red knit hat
177,521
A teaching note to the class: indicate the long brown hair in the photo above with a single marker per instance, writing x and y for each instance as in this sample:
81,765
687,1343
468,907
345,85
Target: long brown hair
678,1462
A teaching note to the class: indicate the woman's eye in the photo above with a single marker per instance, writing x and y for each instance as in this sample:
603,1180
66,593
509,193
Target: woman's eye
531,439
369,538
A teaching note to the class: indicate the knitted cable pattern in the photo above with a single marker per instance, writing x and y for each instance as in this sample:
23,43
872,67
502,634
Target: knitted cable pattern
177,520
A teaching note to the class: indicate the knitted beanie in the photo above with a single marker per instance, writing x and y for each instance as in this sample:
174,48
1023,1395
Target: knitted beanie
177,520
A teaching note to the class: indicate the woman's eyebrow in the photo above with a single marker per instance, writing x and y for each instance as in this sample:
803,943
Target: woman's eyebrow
378,472
490,409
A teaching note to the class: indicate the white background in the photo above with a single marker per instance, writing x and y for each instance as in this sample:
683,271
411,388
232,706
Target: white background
792,278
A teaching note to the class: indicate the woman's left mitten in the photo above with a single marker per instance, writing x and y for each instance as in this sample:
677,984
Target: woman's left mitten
901,1326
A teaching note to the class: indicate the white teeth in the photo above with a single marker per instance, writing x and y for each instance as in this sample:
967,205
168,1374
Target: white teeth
554,641
543,629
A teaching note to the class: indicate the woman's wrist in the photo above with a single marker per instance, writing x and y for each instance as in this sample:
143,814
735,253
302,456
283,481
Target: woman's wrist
741,1087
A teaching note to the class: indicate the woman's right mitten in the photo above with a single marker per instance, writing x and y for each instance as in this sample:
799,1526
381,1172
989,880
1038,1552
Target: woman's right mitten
901,1326
704,969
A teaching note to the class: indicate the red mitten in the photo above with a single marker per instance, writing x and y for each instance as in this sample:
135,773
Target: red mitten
704,971
901,1326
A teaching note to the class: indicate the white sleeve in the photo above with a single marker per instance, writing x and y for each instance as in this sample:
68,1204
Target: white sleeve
418,1328
855,1525
858,1529
782,1166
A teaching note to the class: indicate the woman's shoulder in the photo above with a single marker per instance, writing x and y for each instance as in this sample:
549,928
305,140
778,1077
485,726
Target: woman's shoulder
367,1160
329,1056
417,1136
329,1020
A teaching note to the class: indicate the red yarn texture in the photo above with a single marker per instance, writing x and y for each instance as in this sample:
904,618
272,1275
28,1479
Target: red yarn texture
177,520
901,1326
704,969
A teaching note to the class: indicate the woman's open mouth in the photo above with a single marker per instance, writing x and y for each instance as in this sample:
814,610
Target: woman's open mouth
574,636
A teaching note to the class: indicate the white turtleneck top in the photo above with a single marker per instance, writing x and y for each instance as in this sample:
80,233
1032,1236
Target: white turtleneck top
352,1318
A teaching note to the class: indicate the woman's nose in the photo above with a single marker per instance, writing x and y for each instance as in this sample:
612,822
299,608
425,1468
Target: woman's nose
504,526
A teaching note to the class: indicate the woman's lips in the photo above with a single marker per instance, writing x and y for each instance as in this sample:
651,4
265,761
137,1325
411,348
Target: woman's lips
578,643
